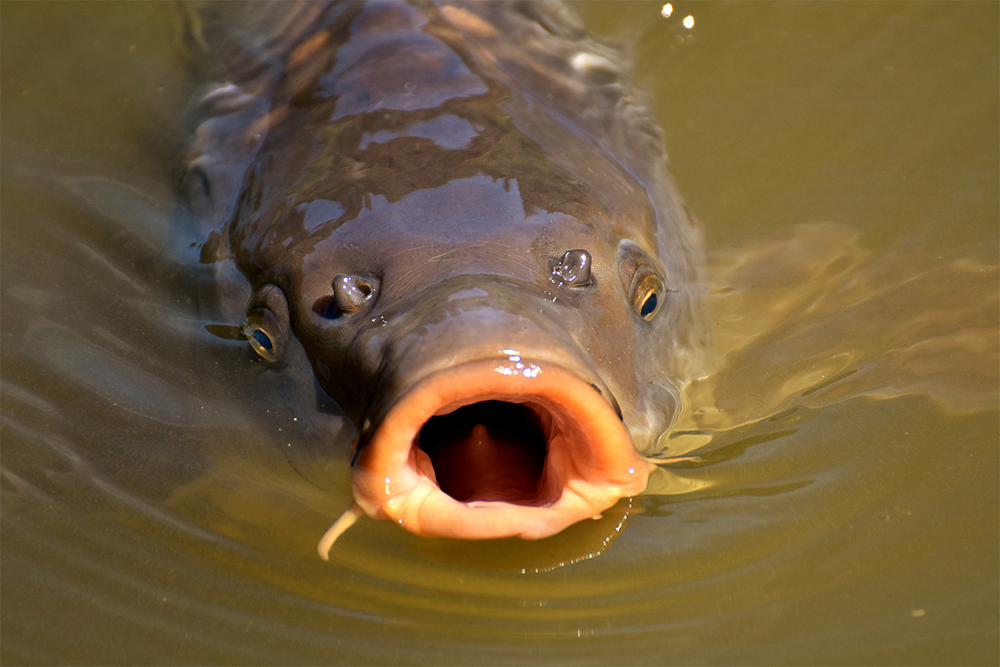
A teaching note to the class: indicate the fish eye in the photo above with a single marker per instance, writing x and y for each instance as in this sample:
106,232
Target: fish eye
266,326
649,305
261,342
646,293
641,280
197,187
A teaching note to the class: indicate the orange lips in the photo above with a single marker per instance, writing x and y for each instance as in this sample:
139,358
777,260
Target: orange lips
589,461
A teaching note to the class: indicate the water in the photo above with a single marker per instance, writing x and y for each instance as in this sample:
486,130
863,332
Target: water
162,493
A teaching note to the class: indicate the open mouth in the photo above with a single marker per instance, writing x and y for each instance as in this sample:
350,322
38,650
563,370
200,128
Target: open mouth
493,449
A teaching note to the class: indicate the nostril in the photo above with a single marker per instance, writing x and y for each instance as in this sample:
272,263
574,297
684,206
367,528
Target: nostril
572,269
350,295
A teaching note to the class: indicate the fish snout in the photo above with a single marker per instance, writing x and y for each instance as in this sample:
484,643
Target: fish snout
489,421
472,318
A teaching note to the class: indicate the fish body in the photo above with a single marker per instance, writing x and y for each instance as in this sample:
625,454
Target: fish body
463,214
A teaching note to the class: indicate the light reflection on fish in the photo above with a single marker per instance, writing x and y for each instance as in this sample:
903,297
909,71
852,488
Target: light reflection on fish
462,213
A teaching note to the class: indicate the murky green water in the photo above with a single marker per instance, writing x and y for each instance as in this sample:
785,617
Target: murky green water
161,500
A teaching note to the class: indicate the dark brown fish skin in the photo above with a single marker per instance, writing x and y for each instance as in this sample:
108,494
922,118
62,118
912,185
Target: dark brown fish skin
447,156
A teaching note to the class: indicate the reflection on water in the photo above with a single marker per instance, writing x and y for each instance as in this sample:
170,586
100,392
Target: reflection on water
162,492
812,318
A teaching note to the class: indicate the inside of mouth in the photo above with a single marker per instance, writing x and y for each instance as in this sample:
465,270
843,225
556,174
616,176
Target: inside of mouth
489,451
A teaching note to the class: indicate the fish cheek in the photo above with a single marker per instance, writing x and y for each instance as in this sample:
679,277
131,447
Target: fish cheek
644,301
334,325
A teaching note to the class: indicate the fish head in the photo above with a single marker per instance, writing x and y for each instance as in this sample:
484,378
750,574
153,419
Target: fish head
497,356
501,297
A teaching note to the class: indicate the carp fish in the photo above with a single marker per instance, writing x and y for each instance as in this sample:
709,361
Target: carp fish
463,215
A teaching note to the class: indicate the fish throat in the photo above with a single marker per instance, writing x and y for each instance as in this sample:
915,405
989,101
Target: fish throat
491,450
